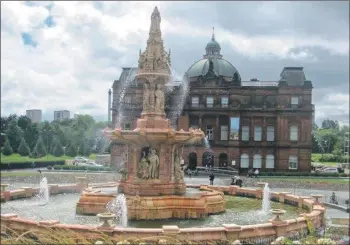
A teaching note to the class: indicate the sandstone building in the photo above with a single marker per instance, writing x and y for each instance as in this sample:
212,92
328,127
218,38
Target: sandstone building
248,124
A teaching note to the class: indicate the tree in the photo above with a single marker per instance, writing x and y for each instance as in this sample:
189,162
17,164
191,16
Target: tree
71,150
7,150
24,122
23,148
58,149
330,124
39,149
236,77
14,134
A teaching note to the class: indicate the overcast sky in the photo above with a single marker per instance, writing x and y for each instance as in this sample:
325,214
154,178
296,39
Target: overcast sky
65,55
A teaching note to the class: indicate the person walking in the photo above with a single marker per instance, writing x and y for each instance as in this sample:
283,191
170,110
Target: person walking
256,173
211,178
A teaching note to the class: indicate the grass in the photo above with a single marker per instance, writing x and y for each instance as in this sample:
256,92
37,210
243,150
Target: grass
310,180
17,158
18,174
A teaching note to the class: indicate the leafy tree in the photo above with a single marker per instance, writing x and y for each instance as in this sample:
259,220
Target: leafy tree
330,124
24,122
23,148
71,150
7,150
14,134
58,149
39,149
31,135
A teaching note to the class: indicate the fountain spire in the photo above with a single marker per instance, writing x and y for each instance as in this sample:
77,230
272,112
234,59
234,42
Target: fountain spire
154,69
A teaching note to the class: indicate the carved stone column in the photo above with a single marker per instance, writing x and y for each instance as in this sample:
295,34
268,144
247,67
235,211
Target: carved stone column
217,130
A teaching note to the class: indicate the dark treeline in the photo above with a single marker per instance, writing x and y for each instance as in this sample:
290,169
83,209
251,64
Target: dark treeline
78,136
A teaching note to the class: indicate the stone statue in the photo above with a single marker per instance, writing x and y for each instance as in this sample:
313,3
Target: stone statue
151,96
153,171
155,20
159,94
177,166
146,95
142,171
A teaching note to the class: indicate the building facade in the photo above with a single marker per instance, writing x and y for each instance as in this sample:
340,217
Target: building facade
35,115
248,124
61,115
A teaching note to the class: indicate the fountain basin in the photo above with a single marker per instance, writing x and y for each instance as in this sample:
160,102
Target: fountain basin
194,206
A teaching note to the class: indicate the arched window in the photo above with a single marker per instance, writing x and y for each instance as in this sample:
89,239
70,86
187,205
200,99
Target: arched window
244,161
270,161
257,161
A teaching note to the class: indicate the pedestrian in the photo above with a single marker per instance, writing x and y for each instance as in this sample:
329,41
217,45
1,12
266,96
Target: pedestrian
211,178
39,171
250,173
256,173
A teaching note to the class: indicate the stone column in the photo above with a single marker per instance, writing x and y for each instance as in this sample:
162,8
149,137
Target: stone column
200,122
217,136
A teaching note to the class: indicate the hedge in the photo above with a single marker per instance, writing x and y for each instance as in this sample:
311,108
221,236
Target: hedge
72,167
303,174
28,164
329,158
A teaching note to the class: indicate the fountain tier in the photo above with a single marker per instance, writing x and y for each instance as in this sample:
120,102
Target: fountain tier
193,206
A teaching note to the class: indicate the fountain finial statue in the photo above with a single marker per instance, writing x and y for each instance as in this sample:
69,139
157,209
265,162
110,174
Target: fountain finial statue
155,21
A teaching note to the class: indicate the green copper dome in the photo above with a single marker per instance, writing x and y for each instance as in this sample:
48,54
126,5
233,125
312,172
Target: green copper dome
221,67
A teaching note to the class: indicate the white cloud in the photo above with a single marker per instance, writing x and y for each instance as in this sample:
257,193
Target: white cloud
76,60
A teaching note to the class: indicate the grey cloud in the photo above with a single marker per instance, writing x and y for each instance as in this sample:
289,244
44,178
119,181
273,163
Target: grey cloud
327,19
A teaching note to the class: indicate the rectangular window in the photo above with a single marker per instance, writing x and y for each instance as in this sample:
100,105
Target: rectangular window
209,131
257,161
224,133
270,161
293,133
224,102
270,136
293,162
244,161
257,133
245,133
195,101
127,99
294,100
210,101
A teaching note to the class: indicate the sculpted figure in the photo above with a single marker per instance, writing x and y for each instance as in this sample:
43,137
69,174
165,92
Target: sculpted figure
177,166
159,105
153,164
142,171
146,95
155,21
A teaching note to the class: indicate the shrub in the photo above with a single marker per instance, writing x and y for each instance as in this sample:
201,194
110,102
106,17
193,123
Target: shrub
58,149
89,168
23,148
39,148
71,151
7,151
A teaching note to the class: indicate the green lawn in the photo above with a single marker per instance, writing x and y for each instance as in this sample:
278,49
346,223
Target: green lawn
311,180
18,174
17,158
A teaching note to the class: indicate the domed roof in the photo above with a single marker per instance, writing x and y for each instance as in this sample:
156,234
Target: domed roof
213,44
221,67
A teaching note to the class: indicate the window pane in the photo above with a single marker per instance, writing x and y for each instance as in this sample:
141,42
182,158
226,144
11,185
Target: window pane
257,133
270,161
245,133
195,101
224,133
293,133
257,161
270,133
210,101
293,162
224,101
295,100
244,161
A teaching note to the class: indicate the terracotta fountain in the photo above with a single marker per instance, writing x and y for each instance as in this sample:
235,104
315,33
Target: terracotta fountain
153,181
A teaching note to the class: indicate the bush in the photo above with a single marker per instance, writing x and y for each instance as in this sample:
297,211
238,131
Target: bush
72,167
39,148
28,164
49,167
58,150
23,148
71,151
7,151
301,174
